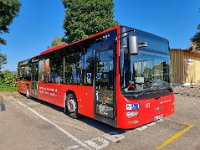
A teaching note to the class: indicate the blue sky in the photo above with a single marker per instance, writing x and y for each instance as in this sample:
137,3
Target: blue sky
40,21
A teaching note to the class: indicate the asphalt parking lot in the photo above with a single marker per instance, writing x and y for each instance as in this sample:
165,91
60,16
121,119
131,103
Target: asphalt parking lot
32,124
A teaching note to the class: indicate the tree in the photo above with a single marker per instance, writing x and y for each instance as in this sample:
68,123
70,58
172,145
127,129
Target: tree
3,60
196,38
86,17
8,10
57,41
7,79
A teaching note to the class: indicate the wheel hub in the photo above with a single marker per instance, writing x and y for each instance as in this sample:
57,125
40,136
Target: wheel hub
72,105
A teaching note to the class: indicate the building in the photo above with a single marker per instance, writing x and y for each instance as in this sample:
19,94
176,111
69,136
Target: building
185,66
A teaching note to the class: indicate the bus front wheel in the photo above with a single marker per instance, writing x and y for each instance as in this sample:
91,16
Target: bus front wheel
72,105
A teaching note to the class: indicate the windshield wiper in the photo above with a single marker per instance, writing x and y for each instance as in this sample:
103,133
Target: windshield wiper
152,90
146,91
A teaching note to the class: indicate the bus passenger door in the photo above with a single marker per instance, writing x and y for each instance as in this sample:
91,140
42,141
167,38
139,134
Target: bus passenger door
34,80
104,85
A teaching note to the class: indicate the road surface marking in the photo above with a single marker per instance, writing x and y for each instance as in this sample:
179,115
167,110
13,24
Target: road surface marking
74,147
148,125
175,136
179,122
99,144
113,136
151,124
68,124
141,128
57,126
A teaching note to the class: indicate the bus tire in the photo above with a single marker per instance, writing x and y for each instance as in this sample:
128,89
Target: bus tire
71,105
27,93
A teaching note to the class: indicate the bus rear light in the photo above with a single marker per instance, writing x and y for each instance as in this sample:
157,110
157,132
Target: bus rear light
131,114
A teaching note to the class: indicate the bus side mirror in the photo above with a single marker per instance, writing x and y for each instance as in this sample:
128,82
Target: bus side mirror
133,45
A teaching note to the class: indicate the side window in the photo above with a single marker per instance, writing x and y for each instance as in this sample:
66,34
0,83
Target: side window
79,64
27,73
44,70
36,72
74,64
89,66
21,73
51,68
56,67
24,72
73,72
18,72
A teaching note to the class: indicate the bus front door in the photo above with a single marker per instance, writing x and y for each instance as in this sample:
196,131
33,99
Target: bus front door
34,80
104,85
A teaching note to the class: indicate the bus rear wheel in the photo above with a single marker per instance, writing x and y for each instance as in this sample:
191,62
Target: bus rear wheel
71,106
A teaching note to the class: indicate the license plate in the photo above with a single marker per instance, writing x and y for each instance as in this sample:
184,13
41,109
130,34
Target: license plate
156,118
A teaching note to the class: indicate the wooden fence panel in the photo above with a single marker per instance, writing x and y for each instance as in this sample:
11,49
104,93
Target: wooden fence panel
185,66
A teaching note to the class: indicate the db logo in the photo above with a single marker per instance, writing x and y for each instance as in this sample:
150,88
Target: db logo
148,105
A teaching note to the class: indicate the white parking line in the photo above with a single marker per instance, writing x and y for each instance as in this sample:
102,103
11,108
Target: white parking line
141,128
56,126
151,124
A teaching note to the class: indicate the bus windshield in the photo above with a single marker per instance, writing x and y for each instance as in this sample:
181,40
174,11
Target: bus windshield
149,70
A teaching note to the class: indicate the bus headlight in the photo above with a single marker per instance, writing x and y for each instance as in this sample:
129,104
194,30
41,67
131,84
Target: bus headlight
131,114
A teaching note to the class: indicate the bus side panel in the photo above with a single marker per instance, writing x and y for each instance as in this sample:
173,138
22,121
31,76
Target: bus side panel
85,98
21,86
55,94
52,93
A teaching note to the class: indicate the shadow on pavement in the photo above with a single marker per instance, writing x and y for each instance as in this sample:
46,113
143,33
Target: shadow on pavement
91,122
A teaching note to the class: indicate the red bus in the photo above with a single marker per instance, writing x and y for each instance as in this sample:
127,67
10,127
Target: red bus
120,76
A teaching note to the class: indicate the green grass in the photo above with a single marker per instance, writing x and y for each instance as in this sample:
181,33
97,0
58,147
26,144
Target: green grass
8,89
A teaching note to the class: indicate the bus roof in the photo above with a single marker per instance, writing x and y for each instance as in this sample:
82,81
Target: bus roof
92,36
63,46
